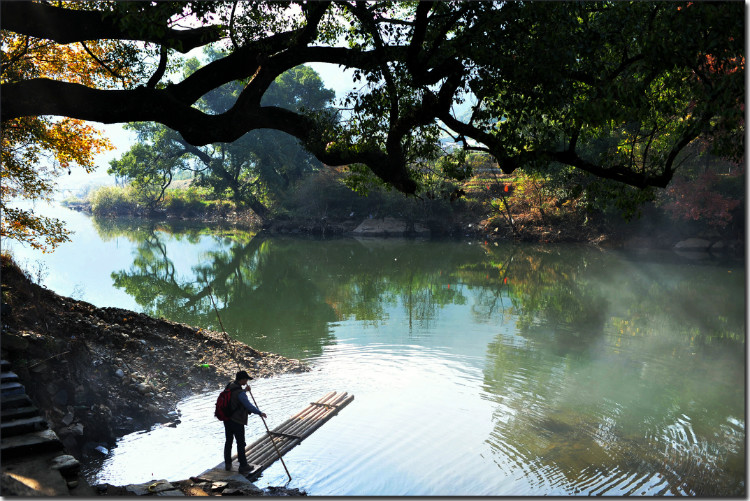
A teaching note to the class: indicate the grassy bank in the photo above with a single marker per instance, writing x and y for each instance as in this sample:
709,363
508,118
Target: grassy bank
489,205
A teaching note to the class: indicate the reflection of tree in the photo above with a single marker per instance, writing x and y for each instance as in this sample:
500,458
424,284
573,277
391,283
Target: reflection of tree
281,294
366,278
594,393
246,281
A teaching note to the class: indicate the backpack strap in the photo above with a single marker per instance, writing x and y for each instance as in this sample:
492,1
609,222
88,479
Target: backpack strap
232,407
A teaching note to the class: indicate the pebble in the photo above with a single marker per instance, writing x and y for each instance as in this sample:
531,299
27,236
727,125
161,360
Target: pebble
67,419
66,464
119,373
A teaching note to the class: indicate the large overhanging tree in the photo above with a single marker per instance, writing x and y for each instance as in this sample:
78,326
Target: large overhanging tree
262,164
617,89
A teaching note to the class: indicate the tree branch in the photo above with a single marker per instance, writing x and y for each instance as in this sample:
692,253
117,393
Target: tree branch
99,61
160,70
66,26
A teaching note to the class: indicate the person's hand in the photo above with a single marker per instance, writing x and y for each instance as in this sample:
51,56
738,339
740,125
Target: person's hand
263,415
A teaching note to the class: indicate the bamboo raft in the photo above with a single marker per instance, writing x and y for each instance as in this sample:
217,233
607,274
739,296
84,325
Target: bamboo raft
261,454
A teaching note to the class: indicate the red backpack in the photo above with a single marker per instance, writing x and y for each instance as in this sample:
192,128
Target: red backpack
223,405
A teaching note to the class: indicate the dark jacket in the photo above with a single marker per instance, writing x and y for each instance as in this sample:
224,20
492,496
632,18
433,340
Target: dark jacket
239,405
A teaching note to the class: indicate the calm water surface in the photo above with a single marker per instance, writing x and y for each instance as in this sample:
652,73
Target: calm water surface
476,369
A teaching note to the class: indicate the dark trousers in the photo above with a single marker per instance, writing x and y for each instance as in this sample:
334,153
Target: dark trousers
234,431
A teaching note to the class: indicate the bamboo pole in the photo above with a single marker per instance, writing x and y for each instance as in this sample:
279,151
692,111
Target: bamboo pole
269,435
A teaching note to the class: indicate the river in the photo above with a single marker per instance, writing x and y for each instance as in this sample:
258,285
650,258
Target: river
477,369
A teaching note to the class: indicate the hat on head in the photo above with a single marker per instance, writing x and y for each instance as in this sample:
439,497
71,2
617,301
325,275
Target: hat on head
242,375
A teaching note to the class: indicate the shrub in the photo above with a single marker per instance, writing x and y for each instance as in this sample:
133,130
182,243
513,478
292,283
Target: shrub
113,200
184,200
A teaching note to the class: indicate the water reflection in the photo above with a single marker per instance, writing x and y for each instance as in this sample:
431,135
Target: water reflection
614,360
605,374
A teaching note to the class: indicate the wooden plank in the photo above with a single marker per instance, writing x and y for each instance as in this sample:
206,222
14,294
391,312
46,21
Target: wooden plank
261,453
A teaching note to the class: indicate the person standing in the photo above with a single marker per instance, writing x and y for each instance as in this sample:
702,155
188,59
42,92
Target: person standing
234,427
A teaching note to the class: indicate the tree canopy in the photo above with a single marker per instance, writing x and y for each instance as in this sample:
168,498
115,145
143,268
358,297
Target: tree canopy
616,89
36,149
258,167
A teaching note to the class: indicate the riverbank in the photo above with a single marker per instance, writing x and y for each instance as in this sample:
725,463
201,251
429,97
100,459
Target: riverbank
97,374
652,230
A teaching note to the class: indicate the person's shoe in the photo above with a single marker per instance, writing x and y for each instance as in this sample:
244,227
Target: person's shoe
245,468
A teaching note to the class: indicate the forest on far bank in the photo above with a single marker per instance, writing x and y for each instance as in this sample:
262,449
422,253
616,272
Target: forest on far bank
706,200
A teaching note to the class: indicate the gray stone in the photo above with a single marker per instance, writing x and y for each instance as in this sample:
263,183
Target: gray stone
77,429
380,227
217,486
119,373
175,492
693,244
241,483
68,418
152,487
66,464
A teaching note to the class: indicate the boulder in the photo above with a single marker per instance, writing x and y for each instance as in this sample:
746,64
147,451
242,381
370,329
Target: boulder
389,227
693,244
66,464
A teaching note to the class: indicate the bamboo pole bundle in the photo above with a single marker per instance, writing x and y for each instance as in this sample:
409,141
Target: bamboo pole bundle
289,427
263,452
308,421
264,442
322,417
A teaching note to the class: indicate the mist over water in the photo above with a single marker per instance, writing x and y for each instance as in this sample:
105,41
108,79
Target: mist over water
476,369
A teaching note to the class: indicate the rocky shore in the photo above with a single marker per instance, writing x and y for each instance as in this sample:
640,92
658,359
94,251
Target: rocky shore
100,373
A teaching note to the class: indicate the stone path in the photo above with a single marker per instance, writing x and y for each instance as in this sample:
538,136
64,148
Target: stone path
33,459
